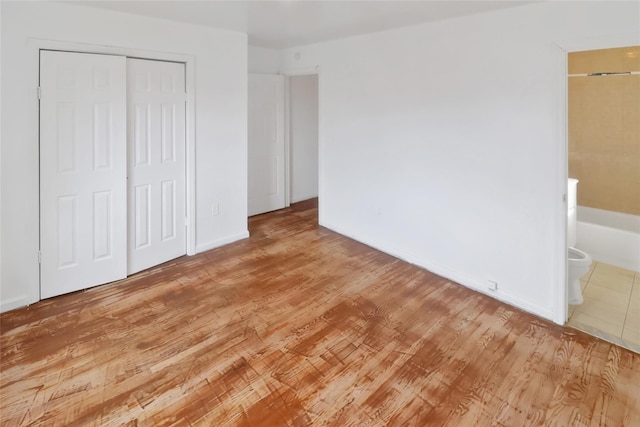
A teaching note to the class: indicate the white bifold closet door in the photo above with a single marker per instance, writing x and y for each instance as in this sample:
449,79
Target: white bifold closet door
83,190
112,168
266,143
156,127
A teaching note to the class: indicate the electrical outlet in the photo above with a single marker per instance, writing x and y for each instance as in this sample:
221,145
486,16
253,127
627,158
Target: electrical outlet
215,209
492,285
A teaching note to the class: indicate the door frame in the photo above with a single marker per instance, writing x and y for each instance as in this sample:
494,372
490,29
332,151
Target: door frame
560,50
287,132
36,45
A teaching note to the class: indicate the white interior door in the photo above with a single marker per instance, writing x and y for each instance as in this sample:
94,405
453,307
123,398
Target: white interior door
82,171
156,183
266,143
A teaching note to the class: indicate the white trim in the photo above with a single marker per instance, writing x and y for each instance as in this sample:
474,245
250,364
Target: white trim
14,303
452,275
560,298
287,142
305,71
221,242
1,308
36,44
190,111
321,214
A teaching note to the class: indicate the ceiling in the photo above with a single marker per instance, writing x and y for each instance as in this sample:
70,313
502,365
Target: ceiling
288,23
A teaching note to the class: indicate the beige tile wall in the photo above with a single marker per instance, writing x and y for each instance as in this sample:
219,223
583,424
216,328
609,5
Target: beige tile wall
605,60
604,129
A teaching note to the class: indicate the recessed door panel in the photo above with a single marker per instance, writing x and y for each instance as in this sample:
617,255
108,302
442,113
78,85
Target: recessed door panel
67,231
102,219
102,150
141,137
141,208
66,139
168,137
168,214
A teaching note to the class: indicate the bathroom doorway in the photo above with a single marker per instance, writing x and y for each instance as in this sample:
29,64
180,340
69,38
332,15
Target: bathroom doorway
603,94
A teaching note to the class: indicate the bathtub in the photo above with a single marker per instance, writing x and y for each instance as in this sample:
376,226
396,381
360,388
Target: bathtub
610,237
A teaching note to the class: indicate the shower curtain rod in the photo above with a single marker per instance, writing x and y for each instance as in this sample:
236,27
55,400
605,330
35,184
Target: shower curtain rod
618,73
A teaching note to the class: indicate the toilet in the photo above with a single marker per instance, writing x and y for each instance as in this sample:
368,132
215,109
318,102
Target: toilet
578,262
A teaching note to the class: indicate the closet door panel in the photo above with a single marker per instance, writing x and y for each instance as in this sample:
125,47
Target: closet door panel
82,171
156,123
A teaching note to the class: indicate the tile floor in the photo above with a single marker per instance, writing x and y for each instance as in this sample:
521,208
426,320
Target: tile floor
611,307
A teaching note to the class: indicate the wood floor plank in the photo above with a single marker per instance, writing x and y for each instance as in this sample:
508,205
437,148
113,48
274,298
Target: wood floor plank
300,326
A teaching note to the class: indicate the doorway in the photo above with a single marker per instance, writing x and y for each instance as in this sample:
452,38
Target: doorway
92,155
603,151
303,137
283,147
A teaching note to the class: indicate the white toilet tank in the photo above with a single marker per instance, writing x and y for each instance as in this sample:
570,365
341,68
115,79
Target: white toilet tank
572,219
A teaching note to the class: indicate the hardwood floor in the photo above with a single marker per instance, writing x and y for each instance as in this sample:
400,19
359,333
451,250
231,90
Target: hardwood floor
299,326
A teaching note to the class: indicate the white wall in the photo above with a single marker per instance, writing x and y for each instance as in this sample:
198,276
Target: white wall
220,122
262,60
1,97
303,136
440,143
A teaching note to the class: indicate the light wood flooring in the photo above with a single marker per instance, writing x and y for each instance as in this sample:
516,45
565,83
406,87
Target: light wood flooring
300,326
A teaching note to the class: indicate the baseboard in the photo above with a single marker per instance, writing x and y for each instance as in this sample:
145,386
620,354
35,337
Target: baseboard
450,274
23,301
14,303
303,198
221,242
478,286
